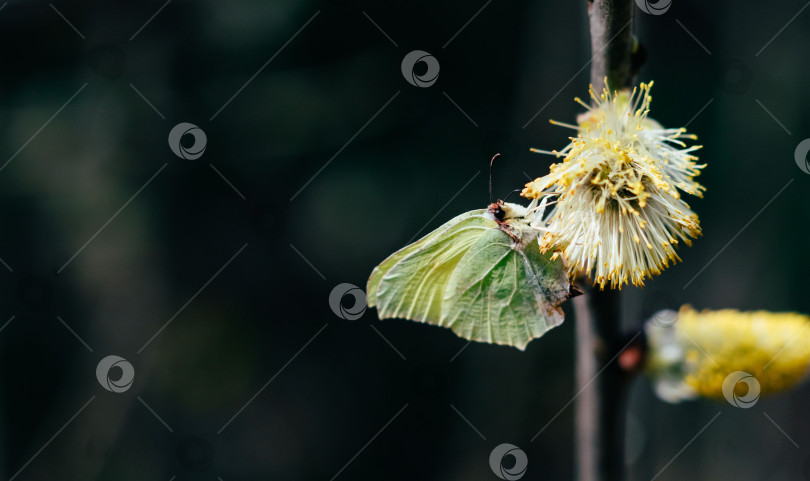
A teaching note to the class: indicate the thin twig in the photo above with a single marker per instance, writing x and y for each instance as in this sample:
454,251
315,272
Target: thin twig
600,409
611,42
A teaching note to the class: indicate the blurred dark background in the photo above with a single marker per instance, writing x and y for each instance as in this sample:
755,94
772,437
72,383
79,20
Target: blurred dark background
321,160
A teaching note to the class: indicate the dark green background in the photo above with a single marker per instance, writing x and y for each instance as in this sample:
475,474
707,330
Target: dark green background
405,168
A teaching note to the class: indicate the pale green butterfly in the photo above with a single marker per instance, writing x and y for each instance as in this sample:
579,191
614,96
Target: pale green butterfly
481,274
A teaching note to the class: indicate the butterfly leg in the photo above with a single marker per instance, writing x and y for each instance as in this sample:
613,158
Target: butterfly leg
505,228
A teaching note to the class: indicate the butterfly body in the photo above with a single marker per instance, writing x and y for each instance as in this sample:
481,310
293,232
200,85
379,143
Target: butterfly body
514,220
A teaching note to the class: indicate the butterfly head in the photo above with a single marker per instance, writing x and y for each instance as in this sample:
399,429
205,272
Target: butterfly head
503,211
497,210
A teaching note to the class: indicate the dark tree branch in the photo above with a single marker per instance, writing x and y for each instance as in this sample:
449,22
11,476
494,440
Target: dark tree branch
611,42
601,382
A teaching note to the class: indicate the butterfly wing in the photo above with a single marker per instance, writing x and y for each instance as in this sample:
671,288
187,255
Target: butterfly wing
411,283
470,276
504,293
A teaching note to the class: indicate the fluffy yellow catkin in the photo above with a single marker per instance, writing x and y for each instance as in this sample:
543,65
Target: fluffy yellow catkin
617,210
693,356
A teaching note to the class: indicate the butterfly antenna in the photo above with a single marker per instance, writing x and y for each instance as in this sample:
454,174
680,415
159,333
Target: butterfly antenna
491,162
510,193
